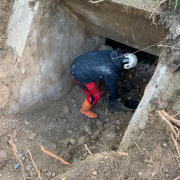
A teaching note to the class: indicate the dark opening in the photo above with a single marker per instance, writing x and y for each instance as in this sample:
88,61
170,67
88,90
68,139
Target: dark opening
132,82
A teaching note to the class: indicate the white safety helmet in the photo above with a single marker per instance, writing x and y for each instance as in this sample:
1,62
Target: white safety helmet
130,61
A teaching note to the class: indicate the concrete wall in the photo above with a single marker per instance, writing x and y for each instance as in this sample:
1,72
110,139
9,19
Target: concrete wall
147,5
129,25
44,38
163,90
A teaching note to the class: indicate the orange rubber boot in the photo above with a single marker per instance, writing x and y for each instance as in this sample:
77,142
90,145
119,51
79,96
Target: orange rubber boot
86,110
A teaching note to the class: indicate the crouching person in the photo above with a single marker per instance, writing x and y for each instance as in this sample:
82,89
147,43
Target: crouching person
104,65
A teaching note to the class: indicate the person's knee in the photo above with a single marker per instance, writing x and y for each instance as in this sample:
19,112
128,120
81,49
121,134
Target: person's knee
97,98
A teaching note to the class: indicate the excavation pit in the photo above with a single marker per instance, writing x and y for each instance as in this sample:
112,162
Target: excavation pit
132,82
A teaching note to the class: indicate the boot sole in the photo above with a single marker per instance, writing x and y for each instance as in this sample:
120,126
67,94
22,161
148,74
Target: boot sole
87,116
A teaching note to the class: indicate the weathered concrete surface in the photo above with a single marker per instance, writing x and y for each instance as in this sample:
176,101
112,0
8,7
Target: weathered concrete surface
126,25
163,89
162,92
147,5
45,38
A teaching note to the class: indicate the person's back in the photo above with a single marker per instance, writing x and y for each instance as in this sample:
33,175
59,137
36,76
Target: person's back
93,66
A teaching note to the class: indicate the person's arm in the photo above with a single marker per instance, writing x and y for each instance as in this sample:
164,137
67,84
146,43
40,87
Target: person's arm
111,84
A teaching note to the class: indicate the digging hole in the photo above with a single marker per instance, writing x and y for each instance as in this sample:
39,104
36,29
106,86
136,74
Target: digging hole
132,83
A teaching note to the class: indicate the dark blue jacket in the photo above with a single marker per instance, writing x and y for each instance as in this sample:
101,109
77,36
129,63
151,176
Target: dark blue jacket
98,66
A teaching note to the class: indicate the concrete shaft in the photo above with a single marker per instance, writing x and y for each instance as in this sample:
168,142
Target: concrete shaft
129,25
45,38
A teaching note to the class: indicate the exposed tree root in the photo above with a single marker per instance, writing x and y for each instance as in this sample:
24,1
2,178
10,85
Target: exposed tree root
171,127
53,155
88,150
39,174
95,1
177,178
152,14
4,133
170,118
174,130
175,144
11,142
160,45
122,153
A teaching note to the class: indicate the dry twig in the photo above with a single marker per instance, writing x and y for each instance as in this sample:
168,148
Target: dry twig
174,134
4,133
123,153
96,1
177,178
39,174
156,8
88,150
176,68
170,118
53,155
168,123
13,136
160,45
176,145
138,50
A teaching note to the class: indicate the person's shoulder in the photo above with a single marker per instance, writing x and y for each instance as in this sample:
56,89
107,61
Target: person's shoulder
100,52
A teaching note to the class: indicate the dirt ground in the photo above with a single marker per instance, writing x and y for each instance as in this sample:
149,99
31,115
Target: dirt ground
61,130
5,10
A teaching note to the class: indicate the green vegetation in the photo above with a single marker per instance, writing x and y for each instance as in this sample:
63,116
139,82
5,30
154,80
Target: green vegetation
175,6
170,4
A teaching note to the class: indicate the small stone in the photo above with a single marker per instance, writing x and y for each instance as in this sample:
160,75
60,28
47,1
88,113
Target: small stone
145,80
44,117
32,169
117,122
73,101
48,174
66,142
53,174
66,156
69,131
3,154
74,160
140,173
164,144
72,141
33,174
168,50
44,170
28,168
130,76
66,110
20,155
32,136
23,158
81,140
94,173
87,129
106,111
109,135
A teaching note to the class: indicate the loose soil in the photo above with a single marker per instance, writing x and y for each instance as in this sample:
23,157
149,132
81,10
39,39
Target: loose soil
5,10
61,130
